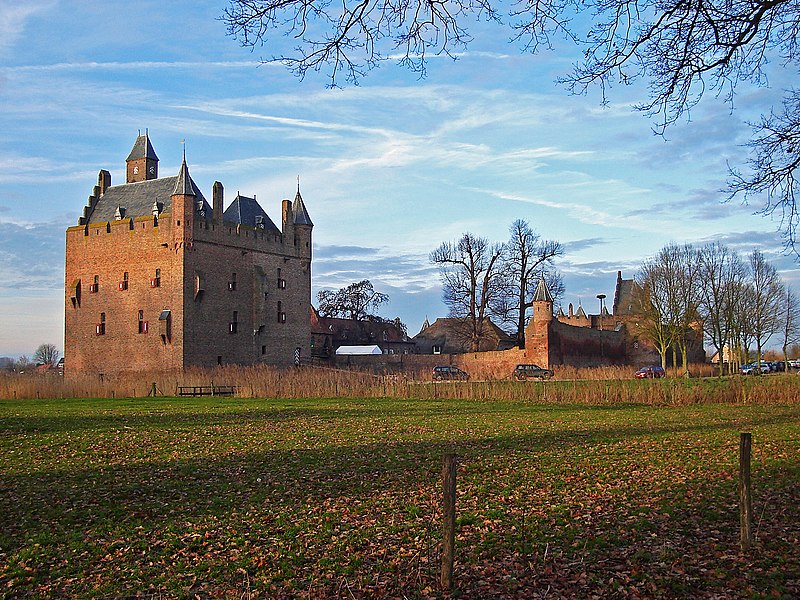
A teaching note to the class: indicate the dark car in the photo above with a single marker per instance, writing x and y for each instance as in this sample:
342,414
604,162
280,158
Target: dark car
531,372
651,372
448,373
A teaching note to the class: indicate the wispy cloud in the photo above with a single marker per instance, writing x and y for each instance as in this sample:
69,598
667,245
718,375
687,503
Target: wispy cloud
14,17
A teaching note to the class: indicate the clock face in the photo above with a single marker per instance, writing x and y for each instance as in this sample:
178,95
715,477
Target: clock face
152,169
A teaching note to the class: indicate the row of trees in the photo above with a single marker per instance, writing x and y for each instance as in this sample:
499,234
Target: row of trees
740,304
483,279
46,354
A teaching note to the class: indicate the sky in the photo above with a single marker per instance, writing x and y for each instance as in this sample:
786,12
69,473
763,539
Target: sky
388,169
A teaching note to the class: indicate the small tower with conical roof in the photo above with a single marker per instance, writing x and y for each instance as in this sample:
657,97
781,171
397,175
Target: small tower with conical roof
537,334
542,302
183,200
142,162
302,226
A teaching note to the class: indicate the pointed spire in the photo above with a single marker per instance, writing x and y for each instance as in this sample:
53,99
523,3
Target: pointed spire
142,148
542,293
299,209
183,186
425,325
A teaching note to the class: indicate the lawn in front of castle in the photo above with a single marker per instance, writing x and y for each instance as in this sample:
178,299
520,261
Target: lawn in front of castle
228,497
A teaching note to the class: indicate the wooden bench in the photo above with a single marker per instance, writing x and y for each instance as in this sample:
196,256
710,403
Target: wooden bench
206,390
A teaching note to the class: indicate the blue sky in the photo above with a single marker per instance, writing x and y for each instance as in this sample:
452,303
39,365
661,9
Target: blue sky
388,169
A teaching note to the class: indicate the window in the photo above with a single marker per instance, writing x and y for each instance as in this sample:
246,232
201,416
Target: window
156,281
233,326
95,287
142,322
281,281
436,350
281,314
123,285
101,326
232,282
165,326
75,293
263,350
199,285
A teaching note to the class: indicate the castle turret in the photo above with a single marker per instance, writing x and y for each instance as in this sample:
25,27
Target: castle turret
542,302
142,162
302,226
183,200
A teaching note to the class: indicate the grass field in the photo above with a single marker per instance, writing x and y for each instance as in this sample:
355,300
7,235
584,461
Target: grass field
238,498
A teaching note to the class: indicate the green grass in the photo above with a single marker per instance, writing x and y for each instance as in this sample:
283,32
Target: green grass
340,497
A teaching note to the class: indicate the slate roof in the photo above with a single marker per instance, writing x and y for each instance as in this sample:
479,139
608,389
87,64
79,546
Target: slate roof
137,199
542,293
246,211
300,213
142,148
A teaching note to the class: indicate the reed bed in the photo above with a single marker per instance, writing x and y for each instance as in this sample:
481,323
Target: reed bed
601,386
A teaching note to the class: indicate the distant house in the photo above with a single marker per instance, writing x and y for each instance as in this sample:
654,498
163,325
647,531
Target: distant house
329,333
451,336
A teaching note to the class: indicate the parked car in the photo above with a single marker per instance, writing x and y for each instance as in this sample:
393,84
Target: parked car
449,373
651,372
522,372
752,369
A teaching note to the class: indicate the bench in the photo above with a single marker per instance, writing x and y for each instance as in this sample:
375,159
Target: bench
206,390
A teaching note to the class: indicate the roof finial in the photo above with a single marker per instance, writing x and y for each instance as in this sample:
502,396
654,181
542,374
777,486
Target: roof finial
183,142
298,184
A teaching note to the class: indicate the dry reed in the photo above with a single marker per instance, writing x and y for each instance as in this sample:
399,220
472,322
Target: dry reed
601,386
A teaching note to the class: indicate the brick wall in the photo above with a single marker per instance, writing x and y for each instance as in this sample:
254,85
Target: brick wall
200,323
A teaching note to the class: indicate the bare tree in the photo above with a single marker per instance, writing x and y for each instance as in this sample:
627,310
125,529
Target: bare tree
767,298
357,301
526,259
669,301
681,49
652,299
790,329
720,272
46,354
469,269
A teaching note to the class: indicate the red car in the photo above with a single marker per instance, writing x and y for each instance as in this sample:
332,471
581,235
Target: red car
651,372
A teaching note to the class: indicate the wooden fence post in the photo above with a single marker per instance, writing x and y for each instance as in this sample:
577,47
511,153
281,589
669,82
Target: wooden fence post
449,515
745,504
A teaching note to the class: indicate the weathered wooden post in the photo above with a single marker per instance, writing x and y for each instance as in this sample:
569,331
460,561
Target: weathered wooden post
745,504
449,515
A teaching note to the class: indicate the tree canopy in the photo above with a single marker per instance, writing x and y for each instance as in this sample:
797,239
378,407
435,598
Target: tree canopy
357,301
681,50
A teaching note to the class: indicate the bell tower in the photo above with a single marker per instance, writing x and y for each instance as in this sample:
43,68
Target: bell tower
142,162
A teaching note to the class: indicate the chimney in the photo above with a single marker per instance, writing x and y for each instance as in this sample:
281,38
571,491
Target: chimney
103,181
570,310
218,194
287,217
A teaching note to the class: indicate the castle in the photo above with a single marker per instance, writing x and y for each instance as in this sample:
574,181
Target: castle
158,279
583,340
